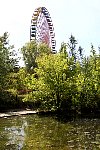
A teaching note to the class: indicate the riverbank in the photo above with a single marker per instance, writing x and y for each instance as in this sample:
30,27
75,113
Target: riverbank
17,113
60,115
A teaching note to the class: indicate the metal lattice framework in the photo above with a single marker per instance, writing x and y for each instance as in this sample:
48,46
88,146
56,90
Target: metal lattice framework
42,29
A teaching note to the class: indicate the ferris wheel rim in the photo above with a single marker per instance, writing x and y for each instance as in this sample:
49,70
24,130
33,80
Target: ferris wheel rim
37,12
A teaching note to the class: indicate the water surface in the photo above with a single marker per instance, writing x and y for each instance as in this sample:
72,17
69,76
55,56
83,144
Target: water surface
34,132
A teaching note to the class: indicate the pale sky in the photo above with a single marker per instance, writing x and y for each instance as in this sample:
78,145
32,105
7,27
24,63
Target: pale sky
80,18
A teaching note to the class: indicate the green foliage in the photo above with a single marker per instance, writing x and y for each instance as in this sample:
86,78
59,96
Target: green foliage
66,81
52,71
30,51
62,82
7,61
72,47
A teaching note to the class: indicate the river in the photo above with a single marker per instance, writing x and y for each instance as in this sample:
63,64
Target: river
36,132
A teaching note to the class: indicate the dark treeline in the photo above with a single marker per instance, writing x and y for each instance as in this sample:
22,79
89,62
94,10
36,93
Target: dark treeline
67,82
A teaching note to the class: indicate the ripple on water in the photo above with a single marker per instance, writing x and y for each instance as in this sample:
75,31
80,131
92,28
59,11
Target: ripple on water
38,132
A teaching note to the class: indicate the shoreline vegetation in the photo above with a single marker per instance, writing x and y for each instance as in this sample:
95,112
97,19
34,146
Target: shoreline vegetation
66,83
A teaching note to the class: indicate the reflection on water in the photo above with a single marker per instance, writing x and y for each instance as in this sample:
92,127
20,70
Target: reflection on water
12,133
47,133
16,135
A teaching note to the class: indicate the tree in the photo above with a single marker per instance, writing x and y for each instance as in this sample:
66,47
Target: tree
72,47
32,50
54,85
7,61
80,51
63,50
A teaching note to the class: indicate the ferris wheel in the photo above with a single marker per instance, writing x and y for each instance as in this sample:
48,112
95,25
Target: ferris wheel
42,29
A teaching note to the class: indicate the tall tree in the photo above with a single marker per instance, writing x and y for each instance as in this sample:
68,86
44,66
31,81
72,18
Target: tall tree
72,47
7,61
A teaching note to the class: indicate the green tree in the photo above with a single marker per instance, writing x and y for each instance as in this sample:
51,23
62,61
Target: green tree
32,50
7,61
54,87
72,47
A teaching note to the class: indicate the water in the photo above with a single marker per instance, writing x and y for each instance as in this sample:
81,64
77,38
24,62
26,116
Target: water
33,132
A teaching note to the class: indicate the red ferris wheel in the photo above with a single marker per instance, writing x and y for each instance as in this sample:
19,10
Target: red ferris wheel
42,29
